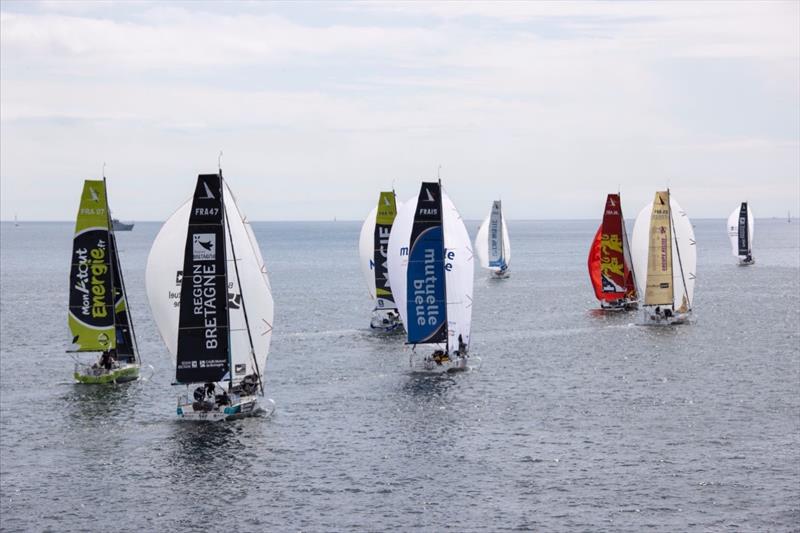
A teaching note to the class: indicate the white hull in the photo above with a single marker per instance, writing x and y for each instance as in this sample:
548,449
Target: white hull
499,274
427,365
239,407
385,320
650,318
745,262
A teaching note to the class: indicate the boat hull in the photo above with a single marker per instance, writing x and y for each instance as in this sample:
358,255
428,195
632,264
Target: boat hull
121,226
652,319
385,321
619,305
499,274
427,365
238,408
745,262
99,376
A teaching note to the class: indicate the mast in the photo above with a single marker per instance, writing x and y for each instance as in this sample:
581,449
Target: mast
241,293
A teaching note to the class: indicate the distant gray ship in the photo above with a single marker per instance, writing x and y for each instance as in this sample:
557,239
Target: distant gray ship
121,226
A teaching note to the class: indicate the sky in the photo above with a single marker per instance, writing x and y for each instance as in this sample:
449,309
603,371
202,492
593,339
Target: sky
318,106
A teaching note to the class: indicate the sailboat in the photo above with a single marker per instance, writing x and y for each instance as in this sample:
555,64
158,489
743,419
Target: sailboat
208,289
16,222
740,232
610,265
664,249
372,247
99,318
431,274
492,243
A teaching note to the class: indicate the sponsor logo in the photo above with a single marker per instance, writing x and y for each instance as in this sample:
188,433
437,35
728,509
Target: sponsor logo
404,251
178,277
102,338
240,369
204,303
93,194
204,246
430,196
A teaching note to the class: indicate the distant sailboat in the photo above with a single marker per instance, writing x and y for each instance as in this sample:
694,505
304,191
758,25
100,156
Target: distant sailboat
664,250
16,223
492,243
431,274
610,265
373,244
741,224
99,318
211,299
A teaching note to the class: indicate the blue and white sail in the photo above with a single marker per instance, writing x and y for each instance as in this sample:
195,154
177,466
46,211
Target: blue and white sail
431,270
492,243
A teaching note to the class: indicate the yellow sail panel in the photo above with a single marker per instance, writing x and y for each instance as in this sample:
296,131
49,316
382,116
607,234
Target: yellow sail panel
91,303
659,289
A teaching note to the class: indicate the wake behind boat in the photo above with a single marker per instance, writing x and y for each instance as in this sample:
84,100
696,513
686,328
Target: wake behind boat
492,243
431,273
99,318
373,243
208,288
740,232
664,248
610,264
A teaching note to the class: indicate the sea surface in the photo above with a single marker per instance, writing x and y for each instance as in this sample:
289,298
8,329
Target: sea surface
574,421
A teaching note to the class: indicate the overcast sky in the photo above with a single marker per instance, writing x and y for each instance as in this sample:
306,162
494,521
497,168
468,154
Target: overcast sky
319,106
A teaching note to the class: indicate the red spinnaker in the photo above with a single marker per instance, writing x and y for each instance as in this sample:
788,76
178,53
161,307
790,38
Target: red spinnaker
609,268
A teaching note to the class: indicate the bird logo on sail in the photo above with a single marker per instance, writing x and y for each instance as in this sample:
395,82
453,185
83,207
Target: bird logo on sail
93,194
430,196
209,195
204,246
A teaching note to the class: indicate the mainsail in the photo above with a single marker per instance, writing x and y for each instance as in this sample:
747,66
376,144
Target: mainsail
373,243
203,334
431,270
91,287
663,240
492,243
126,348
610,268
740,231
247,294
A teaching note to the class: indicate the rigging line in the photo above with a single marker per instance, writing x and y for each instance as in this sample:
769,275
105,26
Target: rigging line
241,292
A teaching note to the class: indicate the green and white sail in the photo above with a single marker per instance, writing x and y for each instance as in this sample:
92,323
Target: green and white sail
99,318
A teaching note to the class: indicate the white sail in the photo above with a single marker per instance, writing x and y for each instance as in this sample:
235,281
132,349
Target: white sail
398,254
255,298
733,230
366,251
163,275
482,247
459,277
684,252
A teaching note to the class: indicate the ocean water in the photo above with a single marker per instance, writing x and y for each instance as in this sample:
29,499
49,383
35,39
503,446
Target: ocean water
575,420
